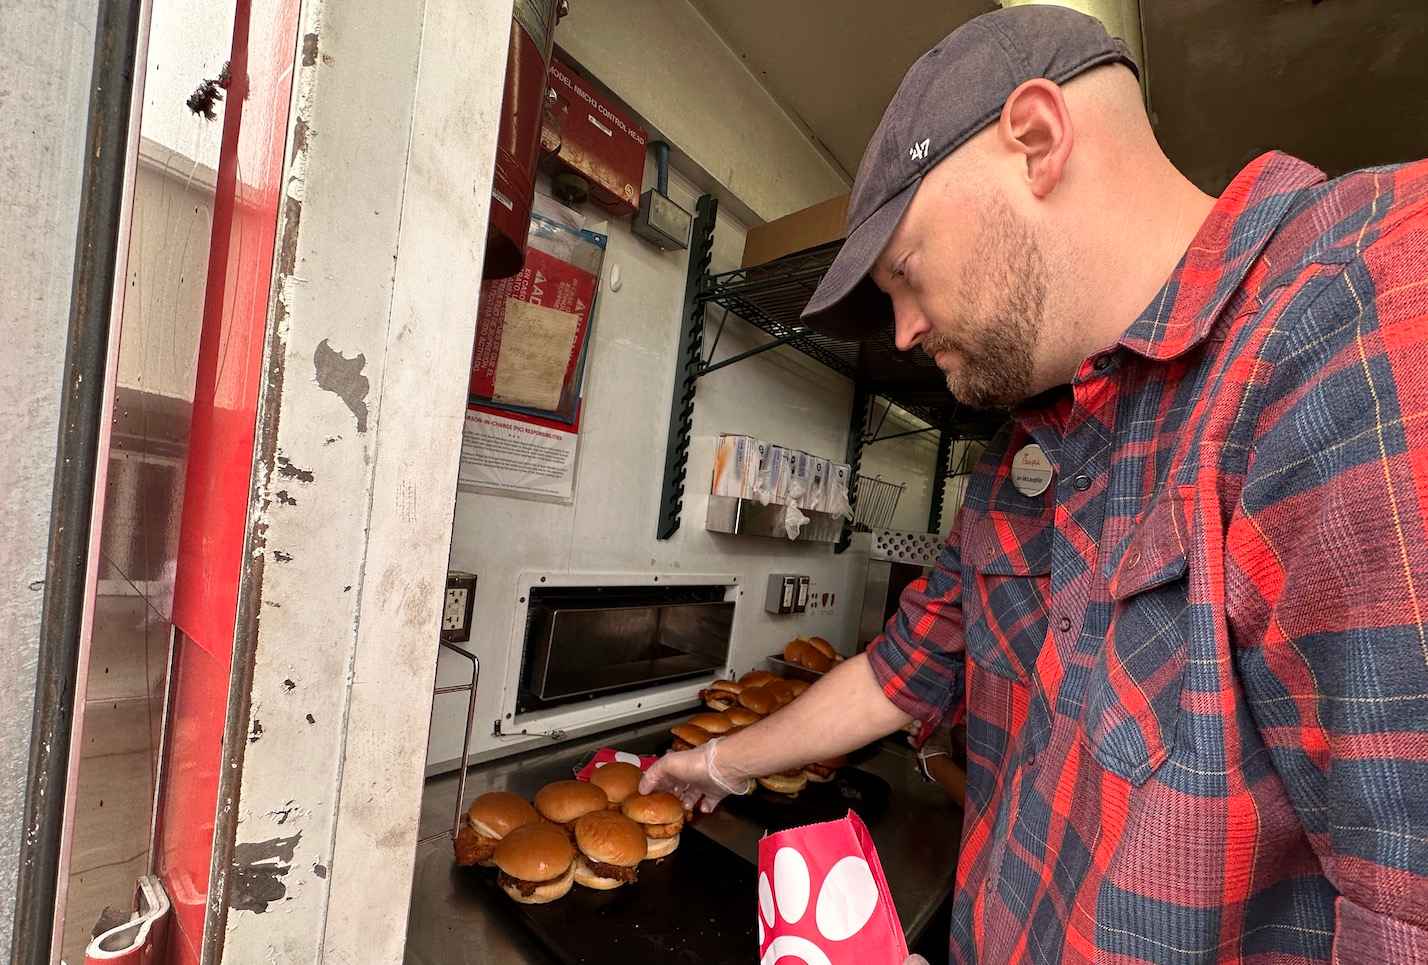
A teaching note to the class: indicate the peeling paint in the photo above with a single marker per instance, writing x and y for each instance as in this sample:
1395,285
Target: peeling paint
319,869
258,870
286,811
309,50
311,719
301,130
287,251
286,468
284,497
282,557
255,732
342,376
289,685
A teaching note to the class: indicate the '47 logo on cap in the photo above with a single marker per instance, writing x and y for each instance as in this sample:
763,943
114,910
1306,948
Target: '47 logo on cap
918,152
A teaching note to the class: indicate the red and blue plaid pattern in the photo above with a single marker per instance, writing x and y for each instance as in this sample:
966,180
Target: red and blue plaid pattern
1195,670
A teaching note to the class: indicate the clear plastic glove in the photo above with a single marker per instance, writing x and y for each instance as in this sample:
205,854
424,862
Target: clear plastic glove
694,777
915,960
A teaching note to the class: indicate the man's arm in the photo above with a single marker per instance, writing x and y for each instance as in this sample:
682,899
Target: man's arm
1327,587
842,712
914,670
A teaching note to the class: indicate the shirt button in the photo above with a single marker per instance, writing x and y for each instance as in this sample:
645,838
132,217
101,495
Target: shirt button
1065,624
1082,482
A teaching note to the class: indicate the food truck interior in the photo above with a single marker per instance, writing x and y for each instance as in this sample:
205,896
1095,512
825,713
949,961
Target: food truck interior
454,422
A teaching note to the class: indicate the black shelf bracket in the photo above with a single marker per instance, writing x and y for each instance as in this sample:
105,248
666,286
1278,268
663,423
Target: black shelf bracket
688,363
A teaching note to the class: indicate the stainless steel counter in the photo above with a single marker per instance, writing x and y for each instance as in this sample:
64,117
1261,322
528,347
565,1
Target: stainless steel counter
453,924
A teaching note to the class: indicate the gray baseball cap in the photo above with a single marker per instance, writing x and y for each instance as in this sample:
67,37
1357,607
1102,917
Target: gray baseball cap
953,91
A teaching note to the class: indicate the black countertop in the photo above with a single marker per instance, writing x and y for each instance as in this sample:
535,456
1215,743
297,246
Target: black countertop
455,919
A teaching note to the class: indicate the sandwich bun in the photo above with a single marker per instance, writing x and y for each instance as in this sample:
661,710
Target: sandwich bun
661,817
721,694
713,724
490,818
564,801
688,736
742,716
618,780
821,772
536,862
789,783
759,700
782,691
611,845
795,650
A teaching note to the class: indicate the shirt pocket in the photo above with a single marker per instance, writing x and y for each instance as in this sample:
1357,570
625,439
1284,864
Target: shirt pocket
1006,560
1135,688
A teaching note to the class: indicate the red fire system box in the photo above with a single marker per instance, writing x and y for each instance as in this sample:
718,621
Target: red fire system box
597,140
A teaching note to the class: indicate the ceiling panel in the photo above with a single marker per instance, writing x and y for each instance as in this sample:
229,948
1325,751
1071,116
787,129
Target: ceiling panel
1340,83
835,64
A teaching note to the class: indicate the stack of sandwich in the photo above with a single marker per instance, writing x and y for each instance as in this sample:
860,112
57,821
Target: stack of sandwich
811,653
736,704
592,834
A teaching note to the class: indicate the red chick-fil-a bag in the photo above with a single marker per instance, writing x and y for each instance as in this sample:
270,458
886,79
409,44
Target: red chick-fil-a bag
608,755
823,898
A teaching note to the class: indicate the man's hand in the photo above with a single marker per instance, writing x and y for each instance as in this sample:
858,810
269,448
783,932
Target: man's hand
842,712
693,776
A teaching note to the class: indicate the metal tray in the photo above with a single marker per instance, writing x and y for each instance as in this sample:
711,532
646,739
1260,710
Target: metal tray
696,906
793,671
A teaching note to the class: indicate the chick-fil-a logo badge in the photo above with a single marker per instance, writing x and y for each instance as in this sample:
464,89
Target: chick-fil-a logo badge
823,900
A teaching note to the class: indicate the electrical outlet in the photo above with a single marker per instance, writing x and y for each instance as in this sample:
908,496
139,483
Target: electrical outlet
454,613
457,605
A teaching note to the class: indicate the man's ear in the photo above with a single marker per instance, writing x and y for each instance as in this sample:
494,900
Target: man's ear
1036,125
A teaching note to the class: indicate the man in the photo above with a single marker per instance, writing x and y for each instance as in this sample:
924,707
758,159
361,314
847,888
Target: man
1192,655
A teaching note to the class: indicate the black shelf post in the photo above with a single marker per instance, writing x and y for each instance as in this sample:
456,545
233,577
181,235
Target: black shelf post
687,363
857,436
939,477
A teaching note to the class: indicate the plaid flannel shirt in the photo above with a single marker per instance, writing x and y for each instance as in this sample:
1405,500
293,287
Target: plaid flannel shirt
1195,670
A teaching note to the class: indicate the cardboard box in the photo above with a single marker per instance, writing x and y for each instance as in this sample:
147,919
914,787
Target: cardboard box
813,226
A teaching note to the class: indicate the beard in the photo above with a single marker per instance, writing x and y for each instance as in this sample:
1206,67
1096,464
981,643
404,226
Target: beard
1004,291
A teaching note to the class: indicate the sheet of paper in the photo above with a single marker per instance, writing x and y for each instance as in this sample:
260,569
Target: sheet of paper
535,352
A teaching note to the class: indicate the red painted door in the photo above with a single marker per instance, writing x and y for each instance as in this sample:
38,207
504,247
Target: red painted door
217,485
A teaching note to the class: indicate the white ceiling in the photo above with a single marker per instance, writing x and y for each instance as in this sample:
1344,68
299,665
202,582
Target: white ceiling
835,64
1339,84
